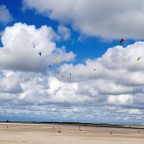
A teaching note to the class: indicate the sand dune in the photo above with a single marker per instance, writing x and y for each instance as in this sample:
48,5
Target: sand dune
13,133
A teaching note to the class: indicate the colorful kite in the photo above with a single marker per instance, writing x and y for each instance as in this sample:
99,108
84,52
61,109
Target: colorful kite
57,62
122,40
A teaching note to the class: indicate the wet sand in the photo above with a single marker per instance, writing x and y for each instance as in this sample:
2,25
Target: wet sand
20,133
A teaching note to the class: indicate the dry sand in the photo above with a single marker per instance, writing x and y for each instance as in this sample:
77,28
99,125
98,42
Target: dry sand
70,134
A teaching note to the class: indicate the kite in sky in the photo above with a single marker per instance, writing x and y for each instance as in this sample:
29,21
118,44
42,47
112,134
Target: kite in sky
57,62
73,42
138,58
40,53
34,45
122,40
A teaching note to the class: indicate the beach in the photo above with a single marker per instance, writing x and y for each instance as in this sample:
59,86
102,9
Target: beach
22,133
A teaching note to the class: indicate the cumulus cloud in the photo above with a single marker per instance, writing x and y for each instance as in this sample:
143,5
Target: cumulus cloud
64,32
120,99
120,85
22,43
101,90
135,112
108,19
5,16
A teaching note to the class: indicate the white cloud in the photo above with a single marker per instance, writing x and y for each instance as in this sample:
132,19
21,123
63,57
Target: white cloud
108,19
135,112
100,95
64,32
18,52
120,100
5,16
121,85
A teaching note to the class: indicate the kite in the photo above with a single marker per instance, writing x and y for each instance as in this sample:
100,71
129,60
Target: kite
122,40
138,58
109,67
57,62
94,69
73,42
40,53
34,45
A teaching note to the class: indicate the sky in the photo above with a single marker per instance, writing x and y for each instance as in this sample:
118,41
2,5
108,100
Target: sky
63,61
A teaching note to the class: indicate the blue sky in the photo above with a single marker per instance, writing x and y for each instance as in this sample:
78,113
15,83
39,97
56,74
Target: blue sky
30,87
97,46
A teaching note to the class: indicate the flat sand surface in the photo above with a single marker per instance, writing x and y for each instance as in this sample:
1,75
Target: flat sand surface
19,133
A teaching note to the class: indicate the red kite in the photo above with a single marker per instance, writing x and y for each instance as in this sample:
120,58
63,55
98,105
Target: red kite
122,40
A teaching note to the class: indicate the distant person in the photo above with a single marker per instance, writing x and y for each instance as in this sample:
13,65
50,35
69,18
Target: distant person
79,129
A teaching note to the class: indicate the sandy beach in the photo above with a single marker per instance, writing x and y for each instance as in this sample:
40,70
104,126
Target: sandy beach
20,133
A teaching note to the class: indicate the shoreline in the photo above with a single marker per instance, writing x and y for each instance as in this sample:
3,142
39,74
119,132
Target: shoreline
77,124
